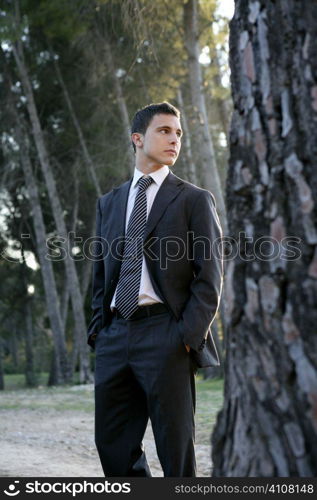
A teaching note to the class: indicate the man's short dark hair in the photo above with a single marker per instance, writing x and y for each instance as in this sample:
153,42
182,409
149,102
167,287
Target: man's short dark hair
143,117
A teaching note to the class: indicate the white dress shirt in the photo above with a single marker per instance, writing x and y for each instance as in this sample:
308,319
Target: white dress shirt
147,294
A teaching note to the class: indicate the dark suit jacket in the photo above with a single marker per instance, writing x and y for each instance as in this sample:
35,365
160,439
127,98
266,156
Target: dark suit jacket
185,266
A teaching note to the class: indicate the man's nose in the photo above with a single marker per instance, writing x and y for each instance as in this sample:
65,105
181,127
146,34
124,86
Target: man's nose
173,139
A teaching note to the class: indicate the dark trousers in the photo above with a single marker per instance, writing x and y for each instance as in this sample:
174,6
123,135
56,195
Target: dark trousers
144,371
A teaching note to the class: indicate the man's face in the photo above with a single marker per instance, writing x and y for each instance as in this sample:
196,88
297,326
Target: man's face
161,142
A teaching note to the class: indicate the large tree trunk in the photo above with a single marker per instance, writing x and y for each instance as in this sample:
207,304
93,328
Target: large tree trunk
74,287
268,426
204,145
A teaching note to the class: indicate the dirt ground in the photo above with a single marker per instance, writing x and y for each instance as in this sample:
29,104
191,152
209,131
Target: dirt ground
50,433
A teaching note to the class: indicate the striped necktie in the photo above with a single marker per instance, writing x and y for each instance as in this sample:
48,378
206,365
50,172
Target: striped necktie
130,273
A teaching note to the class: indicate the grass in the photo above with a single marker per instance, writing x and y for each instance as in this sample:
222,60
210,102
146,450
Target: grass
209,403
17,381
17,396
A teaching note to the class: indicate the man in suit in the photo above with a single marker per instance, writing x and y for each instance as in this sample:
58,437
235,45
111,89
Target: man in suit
156,289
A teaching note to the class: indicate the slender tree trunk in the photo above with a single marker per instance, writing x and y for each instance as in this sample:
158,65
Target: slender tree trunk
53,373
191,167
123,110
14,350
51,296
64,302
88,160
86,276
268,426
76,332
1,368
76,298
222,104
73,222
204,144
30,376
62,372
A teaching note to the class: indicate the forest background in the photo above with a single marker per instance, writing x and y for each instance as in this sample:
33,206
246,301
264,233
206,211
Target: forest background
72,76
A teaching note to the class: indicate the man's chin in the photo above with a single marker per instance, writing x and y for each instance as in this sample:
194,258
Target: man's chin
170,162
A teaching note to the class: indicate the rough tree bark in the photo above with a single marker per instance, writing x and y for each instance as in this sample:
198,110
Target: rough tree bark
268,426
204,144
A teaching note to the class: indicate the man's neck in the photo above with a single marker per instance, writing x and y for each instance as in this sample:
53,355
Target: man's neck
148,169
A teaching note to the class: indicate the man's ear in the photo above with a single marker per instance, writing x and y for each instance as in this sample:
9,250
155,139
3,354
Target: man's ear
137,139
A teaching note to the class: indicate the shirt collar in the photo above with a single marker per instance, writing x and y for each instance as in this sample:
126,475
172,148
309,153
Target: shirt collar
158,176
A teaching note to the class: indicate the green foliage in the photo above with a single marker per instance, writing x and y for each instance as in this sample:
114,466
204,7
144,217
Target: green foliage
58,19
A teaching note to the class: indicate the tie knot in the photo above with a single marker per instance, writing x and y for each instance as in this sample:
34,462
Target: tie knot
144,182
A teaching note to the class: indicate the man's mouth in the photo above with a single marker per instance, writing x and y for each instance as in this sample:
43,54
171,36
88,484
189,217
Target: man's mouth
172,151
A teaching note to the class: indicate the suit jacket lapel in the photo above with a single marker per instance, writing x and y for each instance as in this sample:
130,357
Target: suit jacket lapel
169,189
118,215
116,230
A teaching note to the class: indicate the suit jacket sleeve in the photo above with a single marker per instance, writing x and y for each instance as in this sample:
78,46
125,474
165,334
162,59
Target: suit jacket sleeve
205,290
98,281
